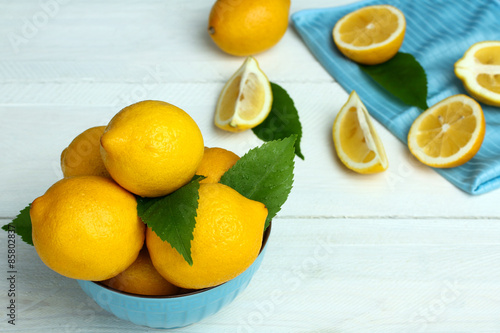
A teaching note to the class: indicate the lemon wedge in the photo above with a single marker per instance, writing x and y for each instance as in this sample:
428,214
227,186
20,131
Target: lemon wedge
356,141
449,133
370,35
479,70
245,100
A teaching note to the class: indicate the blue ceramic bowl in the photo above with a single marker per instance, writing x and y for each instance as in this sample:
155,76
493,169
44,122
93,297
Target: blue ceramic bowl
172,311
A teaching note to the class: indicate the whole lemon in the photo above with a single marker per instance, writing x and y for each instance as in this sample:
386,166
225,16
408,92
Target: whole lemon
87,228
226,240
83,155
152,148
215,162
247,27
142,278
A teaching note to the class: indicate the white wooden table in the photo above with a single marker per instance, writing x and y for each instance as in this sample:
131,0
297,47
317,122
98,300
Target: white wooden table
401,251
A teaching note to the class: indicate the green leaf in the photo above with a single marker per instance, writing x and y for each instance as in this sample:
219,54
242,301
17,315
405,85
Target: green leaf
21,225
172,217
265,174
282,121
403,77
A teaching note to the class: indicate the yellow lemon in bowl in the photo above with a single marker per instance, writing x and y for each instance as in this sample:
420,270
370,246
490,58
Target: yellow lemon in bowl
226,240
86,227
142,278
152,148
216,161
82,157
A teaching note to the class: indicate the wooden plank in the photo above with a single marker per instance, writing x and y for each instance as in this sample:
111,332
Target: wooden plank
402,251
73,31
41,120
102,49
321,275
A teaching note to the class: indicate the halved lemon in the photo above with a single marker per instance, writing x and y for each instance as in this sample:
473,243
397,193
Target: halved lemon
479,70
245,100
370,35
449,133
356,141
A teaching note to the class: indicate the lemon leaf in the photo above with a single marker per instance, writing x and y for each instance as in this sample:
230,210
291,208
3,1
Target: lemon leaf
21,225
402,76
282,121
172,217
265,174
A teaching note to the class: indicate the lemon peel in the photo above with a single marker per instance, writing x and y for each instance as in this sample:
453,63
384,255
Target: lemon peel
246,99
356,141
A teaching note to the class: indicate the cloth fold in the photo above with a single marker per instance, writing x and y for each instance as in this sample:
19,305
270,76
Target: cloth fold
438,32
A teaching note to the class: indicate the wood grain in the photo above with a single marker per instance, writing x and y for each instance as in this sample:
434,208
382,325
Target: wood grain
402,251
356,275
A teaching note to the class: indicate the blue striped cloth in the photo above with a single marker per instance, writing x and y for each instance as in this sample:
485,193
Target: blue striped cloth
438,32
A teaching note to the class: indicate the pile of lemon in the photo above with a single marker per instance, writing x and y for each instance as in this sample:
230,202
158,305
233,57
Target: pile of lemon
86,225
446,135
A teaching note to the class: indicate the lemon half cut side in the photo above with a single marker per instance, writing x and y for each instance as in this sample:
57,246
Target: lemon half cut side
370,35
245,100
479,70
449,133
357,143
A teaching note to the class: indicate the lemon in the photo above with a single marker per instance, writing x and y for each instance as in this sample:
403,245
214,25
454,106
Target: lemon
152,148
357,143
449,133
247,27
215,162
370,35
82,157
142,278
86,227
245,100
226,240
479,70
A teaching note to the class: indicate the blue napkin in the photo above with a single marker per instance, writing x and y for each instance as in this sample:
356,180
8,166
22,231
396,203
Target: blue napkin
438,32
